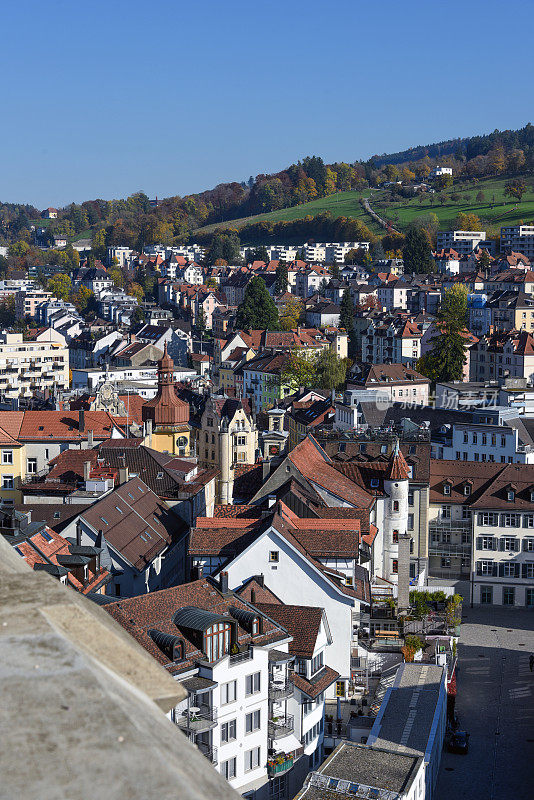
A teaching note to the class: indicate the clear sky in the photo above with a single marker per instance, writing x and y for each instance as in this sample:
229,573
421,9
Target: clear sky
104,98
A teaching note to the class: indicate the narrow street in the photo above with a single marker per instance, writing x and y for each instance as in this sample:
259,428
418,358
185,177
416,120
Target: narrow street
495,705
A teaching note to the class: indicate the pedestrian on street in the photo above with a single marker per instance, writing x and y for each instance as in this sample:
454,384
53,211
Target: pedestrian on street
531,661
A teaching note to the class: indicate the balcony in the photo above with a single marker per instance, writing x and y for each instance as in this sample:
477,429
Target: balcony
198,718
440,524
244,655
280,726
279,765
449,549
209,751
279,690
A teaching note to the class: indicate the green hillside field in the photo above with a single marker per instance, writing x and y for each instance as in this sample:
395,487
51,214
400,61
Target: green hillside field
342,204
492,213
495,210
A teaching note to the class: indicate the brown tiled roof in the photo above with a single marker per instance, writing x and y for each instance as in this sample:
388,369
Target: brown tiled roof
254,590
313,463
10,422
317,684
488,483
142,514
302,622
55,515
64,425
156,611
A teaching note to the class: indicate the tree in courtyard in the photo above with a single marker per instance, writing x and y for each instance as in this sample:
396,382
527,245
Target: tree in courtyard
330,370
346,315
60,285
416,252
445,361
257,310
299,370
291,314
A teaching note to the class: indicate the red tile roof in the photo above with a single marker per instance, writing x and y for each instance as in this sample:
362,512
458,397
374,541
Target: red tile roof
302,622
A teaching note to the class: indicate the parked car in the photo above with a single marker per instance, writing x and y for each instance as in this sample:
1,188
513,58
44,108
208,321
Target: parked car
458,742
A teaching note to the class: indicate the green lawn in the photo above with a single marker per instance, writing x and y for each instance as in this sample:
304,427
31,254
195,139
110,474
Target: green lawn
503,212
342,204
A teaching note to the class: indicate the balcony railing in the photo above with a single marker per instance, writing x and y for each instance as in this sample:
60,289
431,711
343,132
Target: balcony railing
209,751
201,718
278,690
274,768
280,726
244,655
441,523
449,548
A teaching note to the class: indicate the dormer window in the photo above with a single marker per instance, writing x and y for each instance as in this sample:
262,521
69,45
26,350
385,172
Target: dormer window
467,490
375,483
446,488
510,495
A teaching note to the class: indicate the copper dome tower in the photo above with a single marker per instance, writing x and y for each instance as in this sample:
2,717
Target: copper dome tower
166,409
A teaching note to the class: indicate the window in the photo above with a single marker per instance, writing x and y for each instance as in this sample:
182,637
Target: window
446,512
486,595
466,437
241,441
410,498
228,731
510,496
274,556
529,597
487,519
340,688
217,641
31,466
510,520
252,684
395,537
487,542
395,505
252,721
485,567
507,570
317,663
8,482
509,543
446,488
252,759
467,489
395,566
228,692
528,545
475,438
508,596
228,768
7,456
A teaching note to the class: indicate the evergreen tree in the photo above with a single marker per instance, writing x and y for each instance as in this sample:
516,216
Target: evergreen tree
281,278
484,261
258,310
416,252
334,272
446,359
346,317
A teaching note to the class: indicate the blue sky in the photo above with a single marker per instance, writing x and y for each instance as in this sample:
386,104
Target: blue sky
102,99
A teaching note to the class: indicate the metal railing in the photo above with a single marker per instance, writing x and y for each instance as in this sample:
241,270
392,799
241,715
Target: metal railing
202,718
208,750
280,726
280,690
238,658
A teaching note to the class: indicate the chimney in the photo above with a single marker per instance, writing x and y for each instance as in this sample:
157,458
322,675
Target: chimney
200,571
90,440
403,597
124,475
78,533
86,470
260,580
81,420
224,582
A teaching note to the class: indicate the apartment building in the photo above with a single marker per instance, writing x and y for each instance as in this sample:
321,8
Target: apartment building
243,701
393,339
396,381
27,366
27,302
437,171
463,242
502,355
482,517
518,238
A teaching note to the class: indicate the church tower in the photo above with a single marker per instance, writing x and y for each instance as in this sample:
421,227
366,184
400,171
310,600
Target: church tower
167,414
396,511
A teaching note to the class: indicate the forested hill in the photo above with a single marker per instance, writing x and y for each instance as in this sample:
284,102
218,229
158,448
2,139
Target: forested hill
468,148
136,222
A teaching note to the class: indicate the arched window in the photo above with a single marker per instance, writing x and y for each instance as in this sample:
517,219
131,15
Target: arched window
255,625
217,641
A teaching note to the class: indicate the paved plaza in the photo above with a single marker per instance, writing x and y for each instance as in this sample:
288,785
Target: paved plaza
495,704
